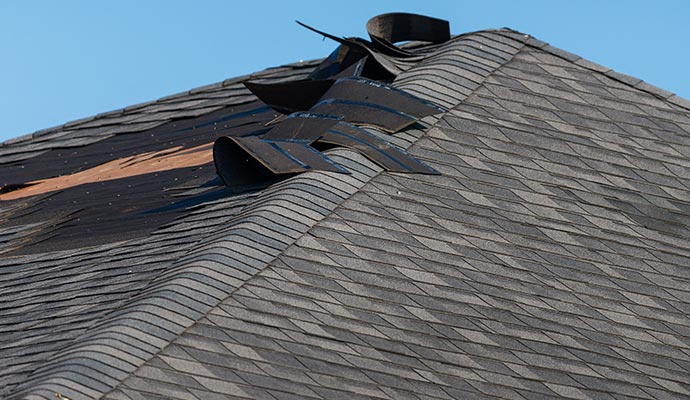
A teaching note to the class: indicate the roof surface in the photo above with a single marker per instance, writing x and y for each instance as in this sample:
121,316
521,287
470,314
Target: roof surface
549,259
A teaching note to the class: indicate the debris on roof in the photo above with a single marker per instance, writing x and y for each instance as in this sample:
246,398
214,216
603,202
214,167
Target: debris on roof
339,97
289,146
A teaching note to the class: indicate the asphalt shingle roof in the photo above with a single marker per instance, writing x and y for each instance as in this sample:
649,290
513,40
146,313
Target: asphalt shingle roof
549,259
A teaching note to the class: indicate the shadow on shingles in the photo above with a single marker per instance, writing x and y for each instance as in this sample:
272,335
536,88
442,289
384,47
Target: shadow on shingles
655,218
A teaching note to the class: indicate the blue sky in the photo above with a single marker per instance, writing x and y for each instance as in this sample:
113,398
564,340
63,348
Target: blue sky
63,60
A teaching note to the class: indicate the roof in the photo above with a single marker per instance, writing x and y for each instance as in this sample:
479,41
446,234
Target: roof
548,258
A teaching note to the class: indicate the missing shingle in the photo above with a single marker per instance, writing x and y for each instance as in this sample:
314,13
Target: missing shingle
140,164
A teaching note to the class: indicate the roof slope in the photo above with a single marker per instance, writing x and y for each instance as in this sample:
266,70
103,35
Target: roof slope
49,299
549,259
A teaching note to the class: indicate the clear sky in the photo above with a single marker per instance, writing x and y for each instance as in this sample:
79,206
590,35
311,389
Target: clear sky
68,59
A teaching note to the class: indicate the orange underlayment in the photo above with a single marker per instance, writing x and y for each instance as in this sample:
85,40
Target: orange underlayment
145,163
